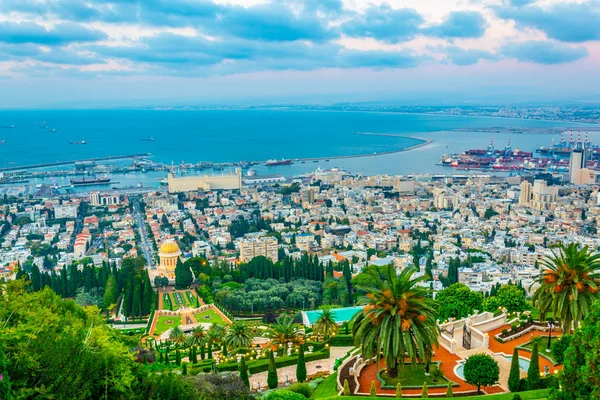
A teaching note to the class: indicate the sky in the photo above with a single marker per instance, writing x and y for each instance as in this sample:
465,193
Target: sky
87,53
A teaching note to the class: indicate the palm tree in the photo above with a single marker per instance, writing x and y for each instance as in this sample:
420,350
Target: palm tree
198,336
177,335
238,336
569,284
215,333
283,331
325,325
398,320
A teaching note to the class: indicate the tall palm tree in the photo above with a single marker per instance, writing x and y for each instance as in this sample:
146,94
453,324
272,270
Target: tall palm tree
283,331
238,336
325,325
215,333
569,284
177,335
398,319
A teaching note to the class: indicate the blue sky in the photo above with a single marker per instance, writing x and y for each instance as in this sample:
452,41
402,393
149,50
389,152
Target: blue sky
122,52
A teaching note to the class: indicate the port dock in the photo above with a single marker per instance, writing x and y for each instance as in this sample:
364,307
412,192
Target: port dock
58,163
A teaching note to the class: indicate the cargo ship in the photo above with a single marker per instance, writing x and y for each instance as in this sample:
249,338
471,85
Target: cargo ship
80,142
94,181
273,163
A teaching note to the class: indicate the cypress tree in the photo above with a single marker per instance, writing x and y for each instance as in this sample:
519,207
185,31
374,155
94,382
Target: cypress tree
346,388
184,369
373,391
244,372
35,278
533,373
514,375
177,357
202,352
194,358
136,299
301,366
167,355
224,349
209,350
398,391
449,392
160,357
424,392
272,379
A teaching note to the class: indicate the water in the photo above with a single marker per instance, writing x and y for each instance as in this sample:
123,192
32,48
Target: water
234,135
340,315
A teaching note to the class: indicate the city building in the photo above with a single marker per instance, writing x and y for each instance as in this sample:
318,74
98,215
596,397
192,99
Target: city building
104,199
577,161
264,246
205,182
65,211
525,196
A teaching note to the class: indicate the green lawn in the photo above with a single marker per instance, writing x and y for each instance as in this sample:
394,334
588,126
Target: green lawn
168,300
413,376
542,346
165,323
209,317
179,299
327,388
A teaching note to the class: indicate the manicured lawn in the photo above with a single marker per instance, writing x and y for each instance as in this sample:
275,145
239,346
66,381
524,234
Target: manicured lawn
179,298
414,376
167,301
192,300
542,346
164,323
327,388
209,317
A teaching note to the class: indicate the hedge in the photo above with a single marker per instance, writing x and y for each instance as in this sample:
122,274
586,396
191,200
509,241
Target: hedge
341,340
260,365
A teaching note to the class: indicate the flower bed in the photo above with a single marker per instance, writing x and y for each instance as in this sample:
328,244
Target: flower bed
520,331
413,376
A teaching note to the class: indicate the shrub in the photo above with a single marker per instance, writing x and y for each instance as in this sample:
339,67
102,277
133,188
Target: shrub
346,388
514,326
244,372
481,370
549,382
303,388
283,395
523,385
424,392
523,324
301,366
516,397
272,379
398,390
504,332
373,391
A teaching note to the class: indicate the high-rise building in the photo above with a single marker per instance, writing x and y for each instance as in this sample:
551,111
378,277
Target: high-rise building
544,196
577,162
264,246
525,196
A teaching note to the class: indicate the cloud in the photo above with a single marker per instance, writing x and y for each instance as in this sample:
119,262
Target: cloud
459,24
64,33
543,52
568,22
460,56
385,24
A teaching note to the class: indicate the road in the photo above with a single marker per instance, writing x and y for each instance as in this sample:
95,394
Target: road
146,244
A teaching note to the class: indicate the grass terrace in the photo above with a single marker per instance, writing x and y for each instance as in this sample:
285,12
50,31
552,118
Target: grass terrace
413,376
209,317
165,323
542,346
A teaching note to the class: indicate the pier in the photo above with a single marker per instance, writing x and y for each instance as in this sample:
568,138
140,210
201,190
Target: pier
57,163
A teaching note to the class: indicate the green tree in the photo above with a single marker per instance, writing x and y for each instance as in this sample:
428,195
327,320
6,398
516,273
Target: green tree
559,347
533,373
325,324
5,392
449,392
512,298
239,335
569,284
184,369
283,331
110,294
35,278
373,390
301,366
177,357
398,320
244,372
398,390
514,376
346,388
481,370
458,301
424,391
272,379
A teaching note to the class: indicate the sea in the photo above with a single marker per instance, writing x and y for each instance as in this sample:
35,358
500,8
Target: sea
192,136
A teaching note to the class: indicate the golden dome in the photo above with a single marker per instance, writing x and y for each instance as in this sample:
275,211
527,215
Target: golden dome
169,247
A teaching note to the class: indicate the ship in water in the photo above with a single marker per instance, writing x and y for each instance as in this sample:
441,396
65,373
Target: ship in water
77,142
94,181
150,139
273,163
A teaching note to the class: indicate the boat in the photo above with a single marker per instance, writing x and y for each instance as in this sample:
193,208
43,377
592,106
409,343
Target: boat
52,130
80,142
8,126
151,139
272,163
2,141
94,181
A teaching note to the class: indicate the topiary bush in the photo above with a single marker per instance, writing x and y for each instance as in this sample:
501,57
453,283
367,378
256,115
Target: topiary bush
302,388
283,395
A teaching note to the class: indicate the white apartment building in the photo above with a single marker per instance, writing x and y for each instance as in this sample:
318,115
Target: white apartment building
264,246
